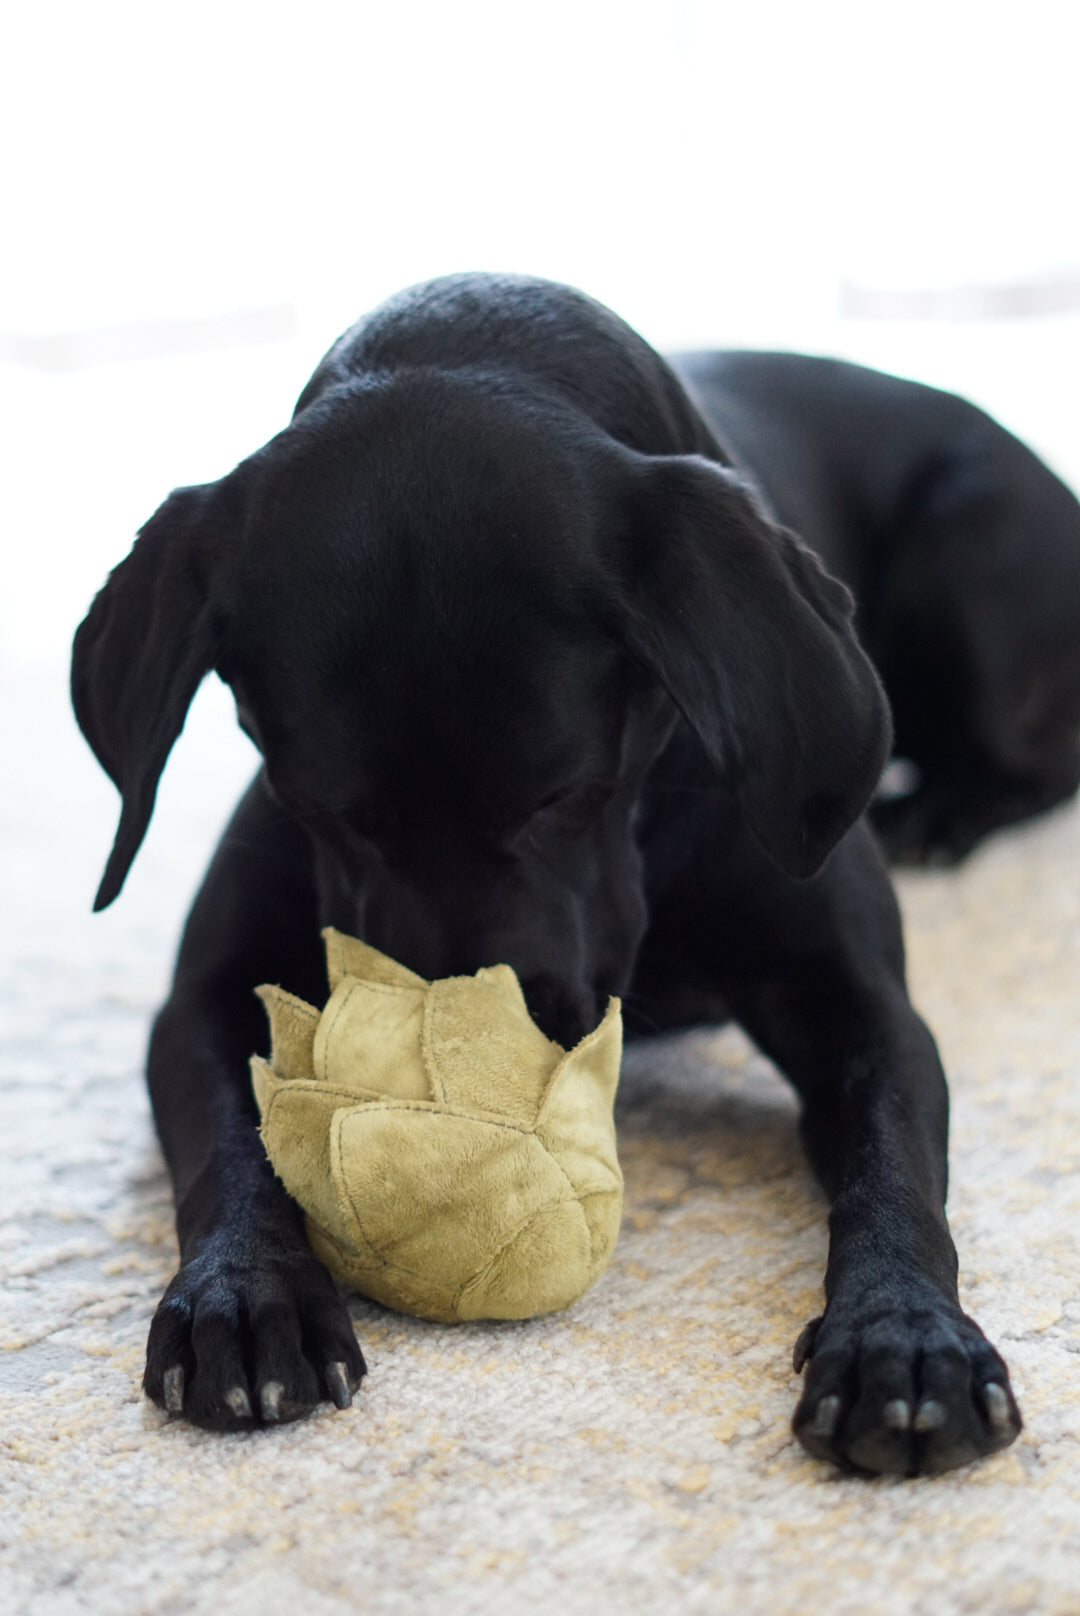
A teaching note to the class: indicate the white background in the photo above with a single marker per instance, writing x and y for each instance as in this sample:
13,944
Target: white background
197,198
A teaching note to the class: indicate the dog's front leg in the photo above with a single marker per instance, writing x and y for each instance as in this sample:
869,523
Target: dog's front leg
251,1329
898,1378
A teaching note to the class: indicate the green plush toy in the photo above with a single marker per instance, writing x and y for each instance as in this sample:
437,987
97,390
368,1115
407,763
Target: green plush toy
452,1161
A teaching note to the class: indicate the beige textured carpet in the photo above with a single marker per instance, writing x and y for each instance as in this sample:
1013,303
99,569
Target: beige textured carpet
632,1455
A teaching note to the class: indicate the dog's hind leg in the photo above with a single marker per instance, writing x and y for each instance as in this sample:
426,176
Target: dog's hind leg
251,1330
975,628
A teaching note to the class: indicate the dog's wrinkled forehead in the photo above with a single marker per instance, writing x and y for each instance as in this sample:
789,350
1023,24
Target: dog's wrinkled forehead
413,592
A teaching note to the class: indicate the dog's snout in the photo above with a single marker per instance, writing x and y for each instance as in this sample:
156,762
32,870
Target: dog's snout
562,1012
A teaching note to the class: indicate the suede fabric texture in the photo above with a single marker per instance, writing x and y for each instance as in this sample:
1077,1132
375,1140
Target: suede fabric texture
453,1162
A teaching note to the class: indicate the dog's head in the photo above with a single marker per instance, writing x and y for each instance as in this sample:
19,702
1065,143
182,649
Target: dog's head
461,626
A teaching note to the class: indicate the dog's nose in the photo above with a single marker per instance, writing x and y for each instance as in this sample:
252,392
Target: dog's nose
562,1012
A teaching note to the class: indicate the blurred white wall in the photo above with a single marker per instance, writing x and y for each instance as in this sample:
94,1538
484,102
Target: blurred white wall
197,199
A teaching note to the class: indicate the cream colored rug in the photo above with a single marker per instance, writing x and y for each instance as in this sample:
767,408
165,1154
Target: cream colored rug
632,1455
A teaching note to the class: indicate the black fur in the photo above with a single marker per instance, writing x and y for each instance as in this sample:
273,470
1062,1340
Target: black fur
539,677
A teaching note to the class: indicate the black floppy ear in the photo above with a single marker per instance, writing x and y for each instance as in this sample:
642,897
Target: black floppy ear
754,641
143,649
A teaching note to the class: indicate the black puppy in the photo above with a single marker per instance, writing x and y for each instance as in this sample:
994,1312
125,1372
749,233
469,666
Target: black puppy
539,678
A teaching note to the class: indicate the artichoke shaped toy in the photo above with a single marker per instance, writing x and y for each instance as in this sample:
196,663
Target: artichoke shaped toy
452,1161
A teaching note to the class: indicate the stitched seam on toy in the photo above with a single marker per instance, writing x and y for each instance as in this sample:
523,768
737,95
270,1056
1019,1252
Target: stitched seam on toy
571,1055
335,1145
578,1195
481,1273
595,1187
335,1163
384,1260
431,1060
346,1255
427,1043
314,1085
569,1181
356,1100
375,986
331,1024
617,1175
590,1195
355,985
446,1110
338,1172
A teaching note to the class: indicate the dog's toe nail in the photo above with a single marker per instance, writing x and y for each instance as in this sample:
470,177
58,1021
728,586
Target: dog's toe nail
804,1346
239,1402
337,1382
826,1416
998,1411
174,1389
270,1401
931,1415
897,1414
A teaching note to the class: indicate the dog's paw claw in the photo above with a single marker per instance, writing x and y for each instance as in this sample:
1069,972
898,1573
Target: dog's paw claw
337,1384
996,1405
897,1414
804,1346
270,1401
825,1417
930,1415
1002,1414
173,1384
1001,1411
239,1402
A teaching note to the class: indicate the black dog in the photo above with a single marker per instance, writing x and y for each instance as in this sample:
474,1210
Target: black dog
539,677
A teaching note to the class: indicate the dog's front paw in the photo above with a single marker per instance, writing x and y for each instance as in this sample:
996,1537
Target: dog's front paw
903,1391
251,1335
